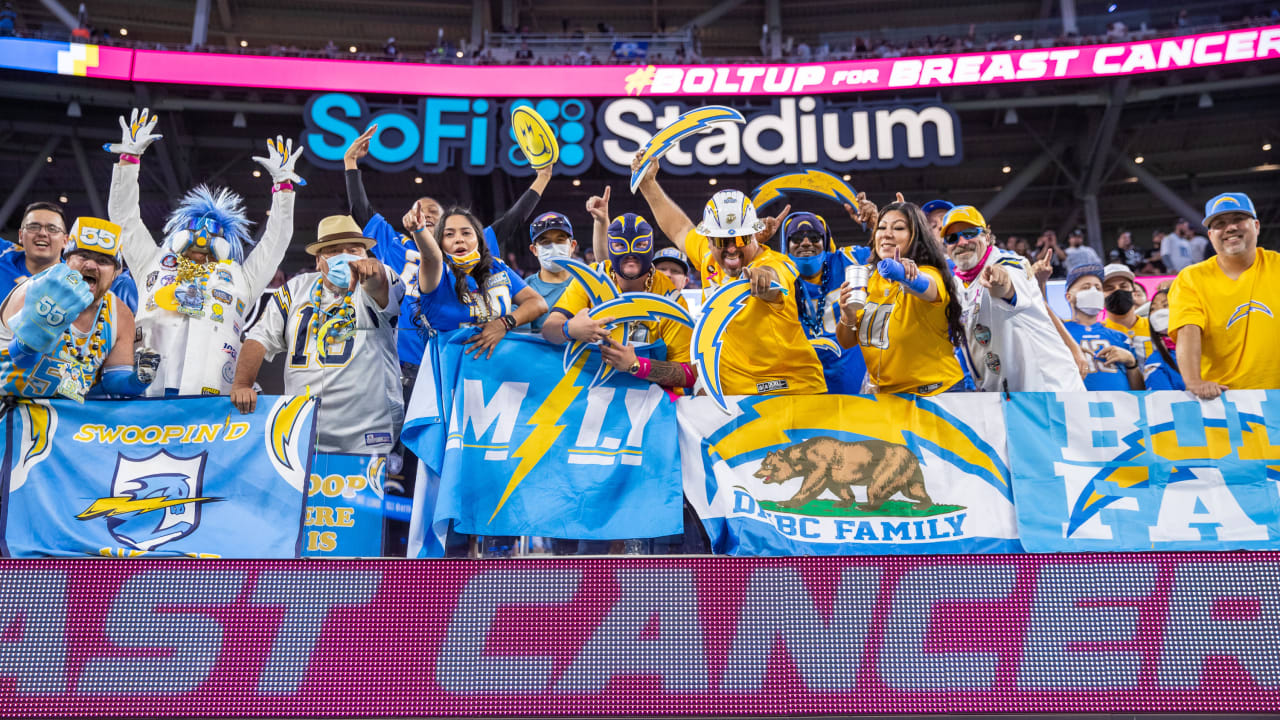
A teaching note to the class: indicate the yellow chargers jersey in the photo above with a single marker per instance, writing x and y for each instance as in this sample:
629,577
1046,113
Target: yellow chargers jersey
904,338
1238,318
675,336
764,350
1139,337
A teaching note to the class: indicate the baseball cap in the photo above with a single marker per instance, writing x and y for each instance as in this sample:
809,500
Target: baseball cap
1226,203
1116,269
935,205
1080,271
963,213
673,255
548,221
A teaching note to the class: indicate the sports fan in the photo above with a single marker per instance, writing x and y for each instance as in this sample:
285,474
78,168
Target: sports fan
910,323
1223,310
1013,345
206,275
1120,298
64,331
1161,370
1112,363
551,236
338,326
764,350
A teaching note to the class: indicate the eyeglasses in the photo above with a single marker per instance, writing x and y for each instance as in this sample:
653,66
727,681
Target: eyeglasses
970,234
96,258
53,230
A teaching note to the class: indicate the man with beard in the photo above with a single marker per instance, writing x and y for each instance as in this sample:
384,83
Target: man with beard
63,331
1223,310
1013,345
764,350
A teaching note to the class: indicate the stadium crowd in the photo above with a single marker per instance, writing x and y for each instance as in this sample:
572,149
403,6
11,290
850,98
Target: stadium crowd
930,301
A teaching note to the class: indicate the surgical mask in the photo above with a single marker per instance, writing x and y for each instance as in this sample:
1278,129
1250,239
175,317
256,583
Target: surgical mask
548,255
1090,301
339,269
1119,302
465,263
1143,310
1160,321
809,265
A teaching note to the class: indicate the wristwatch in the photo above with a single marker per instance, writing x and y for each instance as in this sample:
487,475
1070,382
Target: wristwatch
635,367
510,321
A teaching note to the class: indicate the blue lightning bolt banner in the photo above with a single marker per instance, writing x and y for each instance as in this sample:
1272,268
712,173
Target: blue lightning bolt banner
849,474
530,448
156,478
1117,471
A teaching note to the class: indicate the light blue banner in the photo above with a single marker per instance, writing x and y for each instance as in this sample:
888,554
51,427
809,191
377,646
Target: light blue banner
1127,471
345,506
532,449
178,477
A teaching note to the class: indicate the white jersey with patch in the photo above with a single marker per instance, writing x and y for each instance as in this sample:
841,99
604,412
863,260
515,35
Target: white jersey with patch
1013,344
358,382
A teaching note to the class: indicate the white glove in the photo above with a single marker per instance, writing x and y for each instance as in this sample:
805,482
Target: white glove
281,157
137,133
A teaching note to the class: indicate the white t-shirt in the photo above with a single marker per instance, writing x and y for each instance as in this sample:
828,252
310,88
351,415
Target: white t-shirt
1013,345
1179,252
358,382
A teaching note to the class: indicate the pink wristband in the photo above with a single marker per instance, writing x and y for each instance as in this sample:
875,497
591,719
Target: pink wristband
645,367
130,158
689,377
281,186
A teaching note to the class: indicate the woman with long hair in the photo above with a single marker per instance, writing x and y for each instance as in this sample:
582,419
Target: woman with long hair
461,284
909,327
1161,370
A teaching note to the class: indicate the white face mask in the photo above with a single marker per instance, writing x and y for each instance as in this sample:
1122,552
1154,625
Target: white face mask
1160,320
1090,301
549,253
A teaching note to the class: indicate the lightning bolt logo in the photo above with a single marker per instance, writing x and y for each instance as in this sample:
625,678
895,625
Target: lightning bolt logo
599,288
637,81
282,425
694,121
544,432
636,307
1244,309
812,182
717,313
826,343
38,430
113,506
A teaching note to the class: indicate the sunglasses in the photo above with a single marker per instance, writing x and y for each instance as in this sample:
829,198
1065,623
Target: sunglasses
970,234
538,226
205,225
728,242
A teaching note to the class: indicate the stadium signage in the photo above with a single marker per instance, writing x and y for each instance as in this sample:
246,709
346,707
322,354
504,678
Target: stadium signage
1142,632
473,135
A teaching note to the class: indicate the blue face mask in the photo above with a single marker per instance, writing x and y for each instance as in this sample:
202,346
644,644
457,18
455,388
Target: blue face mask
809,265
339,271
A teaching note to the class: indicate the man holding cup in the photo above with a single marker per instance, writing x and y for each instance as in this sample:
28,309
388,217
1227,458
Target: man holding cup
1013,345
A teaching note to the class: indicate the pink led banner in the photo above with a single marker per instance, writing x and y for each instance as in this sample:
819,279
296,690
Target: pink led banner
779,637
1188,51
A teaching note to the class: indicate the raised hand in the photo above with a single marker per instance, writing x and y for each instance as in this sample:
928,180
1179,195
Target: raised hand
136,135
598,206
280,160
997,281
772,225
358,148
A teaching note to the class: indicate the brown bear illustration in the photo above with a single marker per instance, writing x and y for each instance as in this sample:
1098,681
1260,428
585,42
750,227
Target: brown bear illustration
825,463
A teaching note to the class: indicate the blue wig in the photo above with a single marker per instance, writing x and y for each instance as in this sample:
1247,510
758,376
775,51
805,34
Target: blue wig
221,206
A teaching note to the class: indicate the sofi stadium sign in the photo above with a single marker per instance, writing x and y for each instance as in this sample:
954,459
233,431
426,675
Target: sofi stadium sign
868,75
447,134
1147,632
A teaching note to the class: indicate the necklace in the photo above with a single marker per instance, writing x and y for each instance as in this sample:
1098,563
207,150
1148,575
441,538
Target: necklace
333,325
811,318
83,356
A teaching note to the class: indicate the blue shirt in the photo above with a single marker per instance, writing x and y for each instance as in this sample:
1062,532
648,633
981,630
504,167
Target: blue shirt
392,249
819,306
13,267
1092,339
1160,374
444,311
551,292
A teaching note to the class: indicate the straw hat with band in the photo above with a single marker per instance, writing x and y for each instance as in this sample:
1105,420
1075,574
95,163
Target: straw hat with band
337,230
